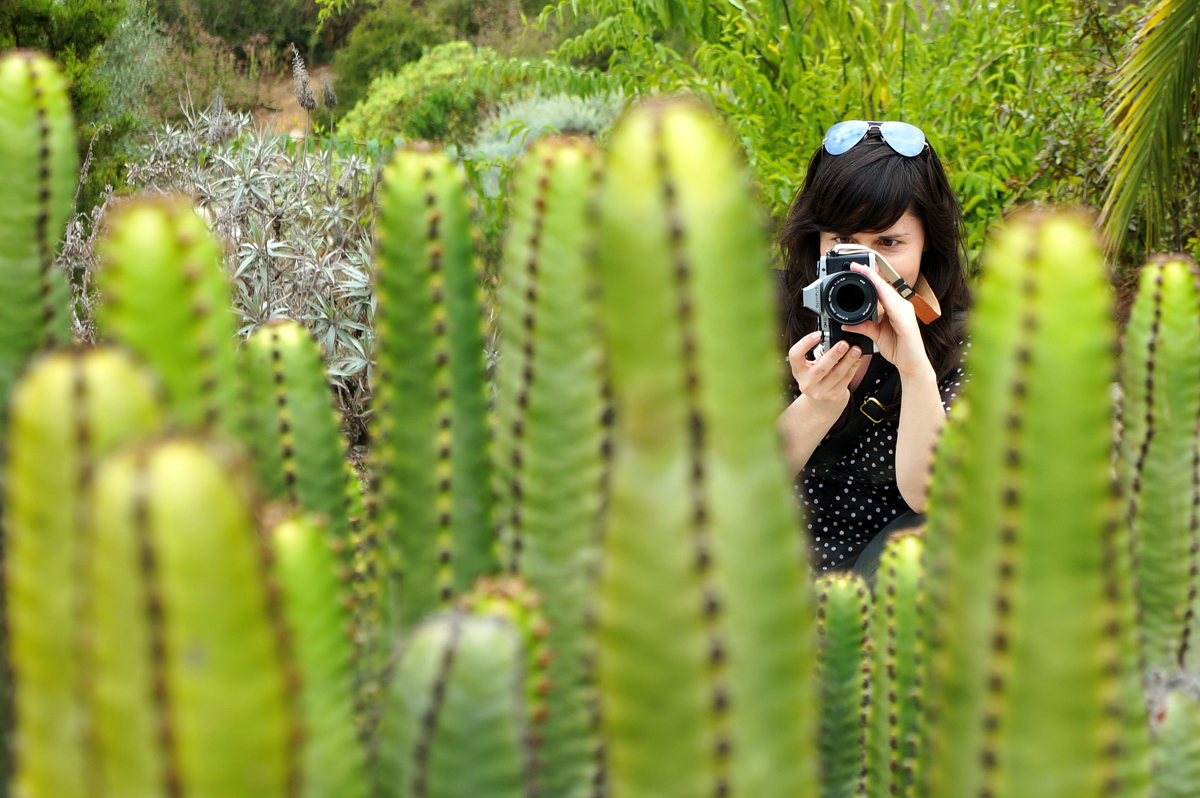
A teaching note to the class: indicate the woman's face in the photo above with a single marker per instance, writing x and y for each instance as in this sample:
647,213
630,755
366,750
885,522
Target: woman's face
902,244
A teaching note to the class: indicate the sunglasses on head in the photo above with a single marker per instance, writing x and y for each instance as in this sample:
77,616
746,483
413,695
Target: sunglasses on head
902,137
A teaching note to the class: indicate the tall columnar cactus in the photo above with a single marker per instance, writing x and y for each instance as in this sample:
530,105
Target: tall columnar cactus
455,725
1034,691
68,410
550,433
293,428
433,497
898,655
40,164
167,298
1177,747
188,659
317,598
1160,376
843,608
706,623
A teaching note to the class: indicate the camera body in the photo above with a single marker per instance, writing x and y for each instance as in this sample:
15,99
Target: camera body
841,296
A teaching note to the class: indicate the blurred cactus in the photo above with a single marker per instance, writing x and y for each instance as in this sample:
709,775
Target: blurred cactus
189,663
454,722
705,615
67,411
1160,378
433,493
317,603
39,163
845,663
292,427
1034,691
166,297
898,655
550,434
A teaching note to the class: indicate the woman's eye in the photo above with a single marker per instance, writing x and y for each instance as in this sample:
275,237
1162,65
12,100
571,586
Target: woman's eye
844,240
888,242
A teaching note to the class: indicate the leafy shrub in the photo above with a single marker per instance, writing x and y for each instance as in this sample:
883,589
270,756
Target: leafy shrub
277,22
388,36
442,97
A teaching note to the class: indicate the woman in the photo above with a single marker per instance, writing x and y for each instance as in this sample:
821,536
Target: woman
861,428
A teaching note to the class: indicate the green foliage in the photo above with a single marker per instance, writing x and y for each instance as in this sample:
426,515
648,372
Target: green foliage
442,97
389,35
279,22
1004,92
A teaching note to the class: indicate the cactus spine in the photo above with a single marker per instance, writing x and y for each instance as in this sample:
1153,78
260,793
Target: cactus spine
454,724
39,162
293,428
433,498
194,688
844,629
68,410
899,654
550,433
1161,413
166,297
316,600
701,534
1036,598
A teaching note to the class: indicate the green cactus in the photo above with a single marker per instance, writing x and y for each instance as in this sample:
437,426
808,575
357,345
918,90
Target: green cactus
705,617
317,603
1177,747
166,297
845,659
194,688
292,427
40,165
433,493
454,724
550,432
1033,691
68,410
1160,377
898,661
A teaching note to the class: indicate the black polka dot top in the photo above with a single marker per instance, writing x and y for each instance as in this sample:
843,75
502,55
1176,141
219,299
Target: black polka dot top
848,501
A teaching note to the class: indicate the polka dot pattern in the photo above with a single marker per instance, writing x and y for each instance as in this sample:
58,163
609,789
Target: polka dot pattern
847,503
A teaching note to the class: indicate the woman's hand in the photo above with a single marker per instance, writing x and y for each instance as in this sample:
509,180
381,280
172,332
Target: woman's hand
897,333
826,380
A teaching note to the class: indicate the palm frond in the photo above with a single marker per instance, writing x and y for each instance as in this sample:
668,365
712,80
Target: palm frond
1150,113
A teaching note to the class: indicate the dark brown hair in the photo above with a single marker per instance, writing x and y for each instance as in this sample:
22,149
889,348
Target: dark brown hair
866,190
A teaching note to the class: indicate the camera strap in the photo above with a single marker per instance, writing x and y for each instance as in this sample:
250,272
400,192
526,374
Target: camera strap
866,412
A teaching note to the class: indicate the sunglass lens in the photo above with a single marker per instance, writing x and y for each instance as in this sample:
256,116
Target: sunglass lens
845,135
903,137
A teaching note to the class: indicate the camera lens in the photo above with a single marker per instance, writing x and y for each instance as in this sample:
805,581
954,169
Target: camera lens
850,298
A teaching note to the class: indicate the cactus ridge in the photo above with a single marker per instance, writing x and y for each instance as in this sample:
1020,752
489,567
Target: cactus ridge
46,241
844,635
897,688
710,608
429,722
69,408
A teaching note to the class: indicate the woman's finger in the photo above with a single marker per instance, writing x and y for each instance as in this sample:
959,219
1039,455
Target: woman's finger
799,350
890,300
868,328
843,372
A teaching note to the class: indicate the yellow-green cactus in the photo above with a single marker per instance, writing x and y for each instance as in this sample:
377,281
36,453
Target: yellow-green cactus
550,435
432,513
1033,689
844,613
1160,378
166,297
40,167
705,619
67,411
1177,747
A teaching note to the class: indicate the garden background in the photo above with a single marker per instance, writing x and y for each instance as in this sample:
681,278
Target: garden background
278,117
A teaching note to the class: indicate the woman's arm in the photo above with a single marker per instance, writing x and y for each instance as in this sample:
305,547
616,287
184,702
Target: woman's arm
824,385
922,415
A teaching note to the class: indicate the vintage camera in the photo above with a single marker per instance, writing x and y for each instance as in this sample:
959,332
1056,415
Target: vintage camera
840,296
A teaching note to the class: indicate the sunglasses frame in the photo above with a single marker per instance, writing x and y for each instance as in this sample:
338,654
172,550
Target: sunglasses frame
883,128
